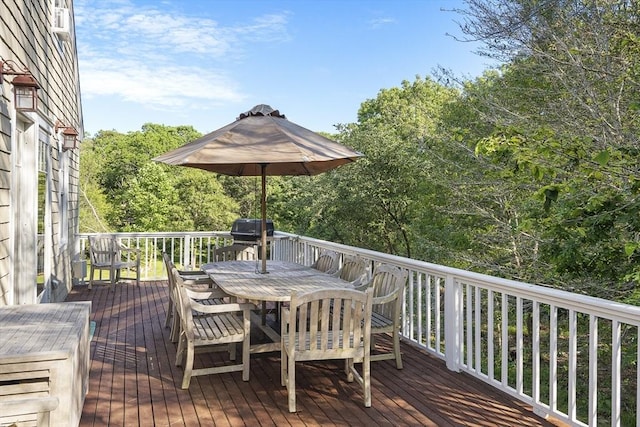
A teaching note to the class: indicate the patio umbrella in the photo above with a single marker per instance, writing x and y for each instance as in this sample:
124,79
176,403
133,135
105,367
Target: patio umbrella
262,142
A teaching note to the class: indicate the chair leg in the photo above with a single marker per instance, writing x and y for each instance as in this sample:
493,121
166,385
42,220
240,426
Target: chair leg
396,349
283,368
188,367
349,369
246,348
138,272
246,360
174,335
180,350
291,383
366,381
114,277
167,320
91,276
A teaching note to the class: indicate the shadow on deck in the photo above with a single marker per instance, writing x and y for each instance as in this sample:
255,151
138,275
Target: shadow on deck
133,381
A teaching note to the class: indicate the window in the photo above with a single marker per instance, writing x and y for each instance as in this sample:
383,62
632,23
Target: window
63,201
61,20
44,213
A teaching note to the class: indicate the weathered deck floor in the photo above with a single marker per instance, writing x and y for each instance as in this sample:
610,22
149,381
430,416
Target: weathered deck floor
133,381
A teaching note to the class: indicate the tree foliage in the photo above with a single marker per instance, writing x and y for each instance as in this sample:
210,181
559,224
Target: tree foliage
379,201
564,111
126,191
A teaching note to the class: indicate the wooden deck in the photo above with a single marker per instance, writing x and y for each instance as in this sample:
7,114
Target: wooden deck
133,381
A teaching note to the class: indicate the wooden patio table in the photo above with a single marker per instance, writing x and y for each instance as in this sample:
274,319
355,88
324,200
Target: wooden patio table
243,279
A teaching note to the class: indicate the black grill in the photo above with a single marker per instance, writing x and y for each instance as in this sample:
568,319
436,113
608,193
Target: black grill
249,229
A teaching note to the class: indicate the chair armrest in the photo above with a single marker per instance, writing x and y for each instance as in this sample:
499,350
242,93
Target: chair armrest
187,273
357,283
362,287
206,294
386,298
134,250
198,281
124,248
222,308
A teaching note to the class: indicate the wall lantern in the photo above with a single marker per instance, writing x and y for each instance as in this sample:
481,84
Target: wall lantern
25,86
69,136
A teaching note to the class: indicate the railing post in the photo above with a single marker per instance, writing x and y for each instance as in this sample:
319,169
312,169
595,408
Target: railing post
452,314
186,253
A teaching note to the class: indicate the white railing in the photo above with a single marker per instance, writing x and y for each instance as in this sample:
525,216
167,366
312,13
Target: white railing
188,250
569,356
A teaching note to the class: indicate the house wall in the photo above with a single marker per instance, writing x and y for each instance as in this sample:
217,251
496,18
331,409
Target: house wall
30,141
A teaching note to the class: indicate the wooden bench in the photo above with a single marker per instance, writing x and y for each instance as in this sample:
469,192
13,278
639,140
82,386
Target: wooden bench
31,411
44,353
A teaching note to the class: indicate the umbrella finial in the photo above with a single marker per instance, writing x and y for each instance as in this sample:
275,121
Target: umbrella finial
261,110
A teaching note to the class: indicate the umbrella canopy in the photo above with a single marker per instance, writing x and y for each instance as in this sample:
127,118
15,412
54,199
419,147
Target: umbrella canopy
262,142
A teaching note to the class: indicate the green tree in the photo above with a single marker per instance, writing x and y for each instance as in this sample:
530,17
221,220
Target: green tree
127,191
203,199
564,110
94,207
150,202
379,201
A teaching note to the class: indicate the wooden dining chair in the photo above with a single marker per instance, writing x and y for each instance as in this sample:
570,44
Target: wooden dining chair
240,252
197,280
107,253
216,327
388,284
327,262
353,270
311,330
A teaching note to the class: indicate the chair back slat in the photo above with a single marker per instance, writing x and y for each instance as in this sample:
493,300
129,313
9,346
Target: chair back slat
101,249
331,321
327,324
106,253
327,262
388,284
353,270
388,281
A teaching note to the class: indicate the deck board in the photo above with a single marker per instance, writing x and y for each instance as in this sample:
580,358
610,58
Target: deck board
134,381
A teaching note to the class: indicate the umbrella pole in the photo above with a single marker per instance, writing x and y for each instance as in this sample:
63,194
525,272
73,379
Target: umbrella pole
263,234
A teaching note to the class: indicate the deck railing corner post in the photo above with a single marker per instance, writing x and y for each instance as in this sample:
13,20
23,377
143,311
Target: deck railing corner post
186,253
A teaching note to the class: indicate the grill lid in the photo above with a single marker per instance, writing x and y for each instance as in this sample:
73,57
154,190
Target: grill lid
249,229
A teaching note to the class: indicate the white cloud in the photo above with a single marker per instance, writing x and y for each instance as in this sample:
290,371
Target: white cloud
380,22
168,87
163,58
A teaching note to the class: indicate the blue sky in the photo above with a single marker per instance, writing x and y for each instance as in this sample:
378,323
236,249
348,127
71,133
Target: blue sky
202,63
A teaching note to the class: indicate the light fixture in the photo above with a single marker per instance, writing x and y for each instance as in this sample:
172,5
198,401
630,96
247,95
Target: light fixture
69,136
25,86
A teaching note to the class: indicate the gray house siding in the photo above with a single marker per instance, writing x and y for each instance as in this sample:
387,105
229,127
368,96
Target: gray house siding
38,180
